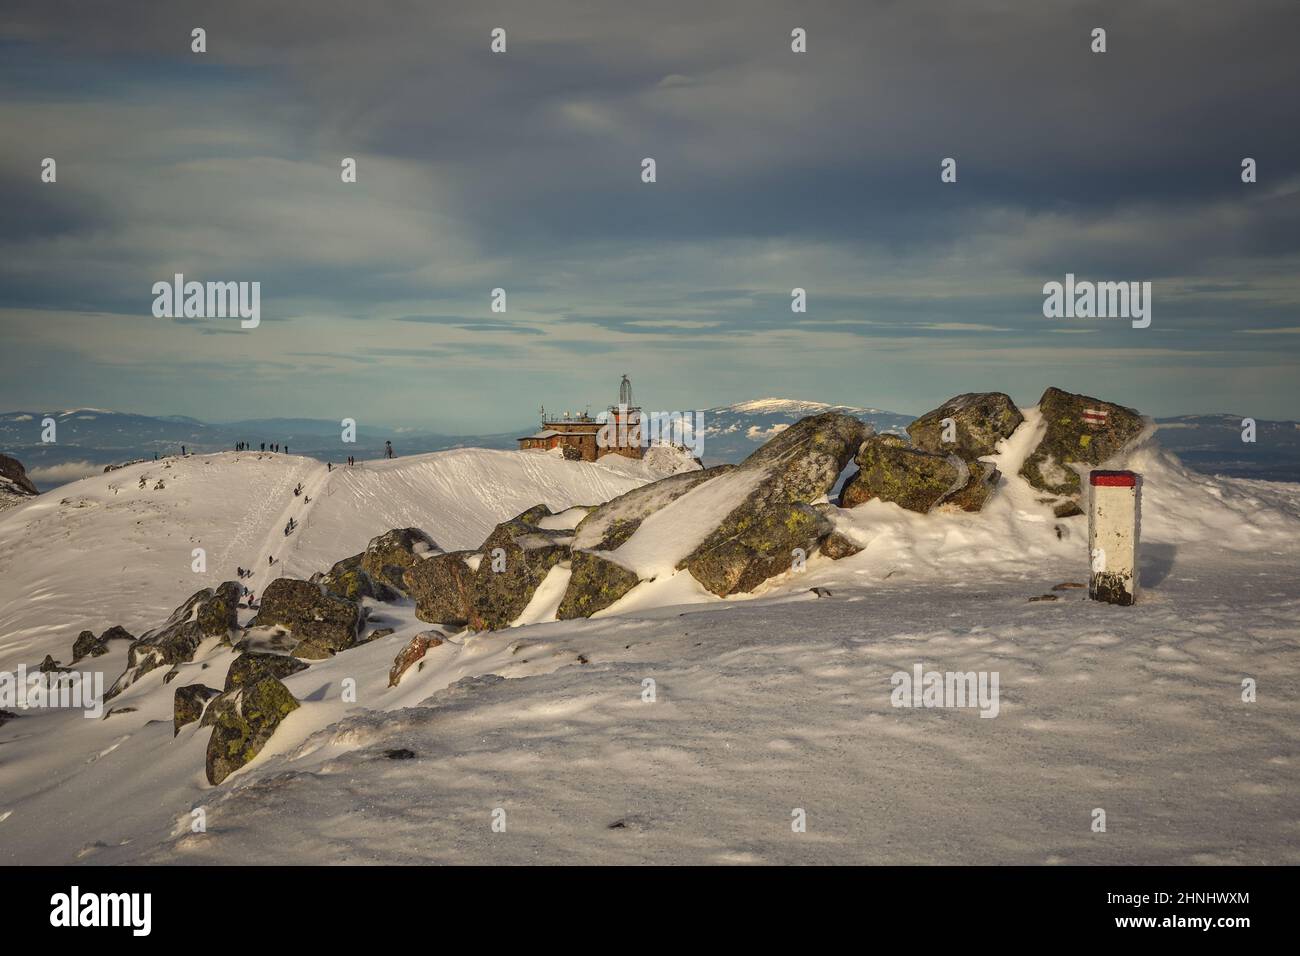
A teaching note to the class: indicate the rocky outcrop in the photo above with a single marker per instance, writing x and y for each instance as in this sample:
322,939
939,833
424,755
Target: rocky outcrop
414,651
1080,430
594,584
517,556
251,666
979,421
242,721
189,703
441,587
12,471
347,579
205,614
597,579
387,556
890,469
837,545
325,622
758,537
754,545
88,645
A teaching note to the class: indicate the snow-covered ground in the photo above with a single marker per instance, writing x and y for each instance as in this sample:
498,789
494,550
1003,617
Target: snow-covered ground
762,705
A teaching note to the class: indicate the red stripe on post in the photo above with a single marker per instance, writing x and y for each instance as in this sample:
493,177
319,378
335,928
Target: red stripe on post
1113,479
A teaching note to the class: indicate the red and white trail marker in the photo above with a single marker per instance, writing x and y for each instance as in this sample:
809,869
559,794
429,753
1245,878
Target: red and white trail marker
1114,522
1095,416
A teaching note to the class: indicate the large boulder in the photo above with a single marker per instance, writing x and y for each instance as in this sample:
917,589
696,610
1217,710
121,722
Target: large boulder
597,579
251,666
387,556
979,421
517,556
978,489
757,538
242,721
325,621
205,614
1080,430
595,582
347,579
189,703
890,469
751,546
441,587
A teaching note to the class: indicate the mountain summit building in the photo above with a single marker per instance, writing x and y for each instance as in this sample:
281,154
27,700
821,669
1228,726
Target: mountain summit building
616,431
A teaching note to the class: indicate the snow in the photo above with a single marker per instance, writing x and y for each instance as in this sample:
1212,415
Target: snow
762,704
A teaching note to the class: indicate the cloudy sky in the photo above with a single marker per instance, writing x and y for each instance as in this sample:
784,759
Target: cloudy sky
522,170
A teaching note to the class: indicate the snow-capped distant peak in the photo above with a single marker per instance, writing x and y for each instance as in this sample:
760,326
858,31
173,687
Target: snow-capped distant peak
775,406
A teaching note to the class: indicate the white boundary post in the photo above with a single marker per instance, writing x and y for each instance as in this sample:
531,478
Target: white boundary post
1114,520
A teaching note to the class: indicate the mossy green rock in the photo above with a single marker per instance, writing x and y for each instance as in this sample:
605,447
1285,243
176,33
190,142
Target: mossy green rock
751,546
242,721
387,556
595,584
890,469
206,613
347,579
1069,440
757,538
252,666
188,704
528,552
978,490
441,588
980,420
310,613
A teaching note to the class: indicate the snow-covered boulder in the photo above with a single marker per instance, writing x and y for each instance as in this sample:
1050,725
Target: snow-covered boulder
412,653
325,622
1080,430
388,555
206,613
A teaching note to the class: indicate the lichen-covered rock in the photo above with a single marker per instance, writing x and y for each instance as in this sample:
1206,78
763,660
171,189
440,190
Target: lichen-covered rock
1071,439
414,650
189,703
387,556
757,538
837,545
242,721
441,587
611,524
88,645
594,584
890,469
15,487
252,666
310,613
751,546
978,489
980,421
517,556
206,613
347,579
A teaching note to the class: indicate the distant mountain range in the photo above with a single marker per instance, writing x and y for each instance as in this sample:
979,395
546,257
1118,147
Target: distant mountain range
88,439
